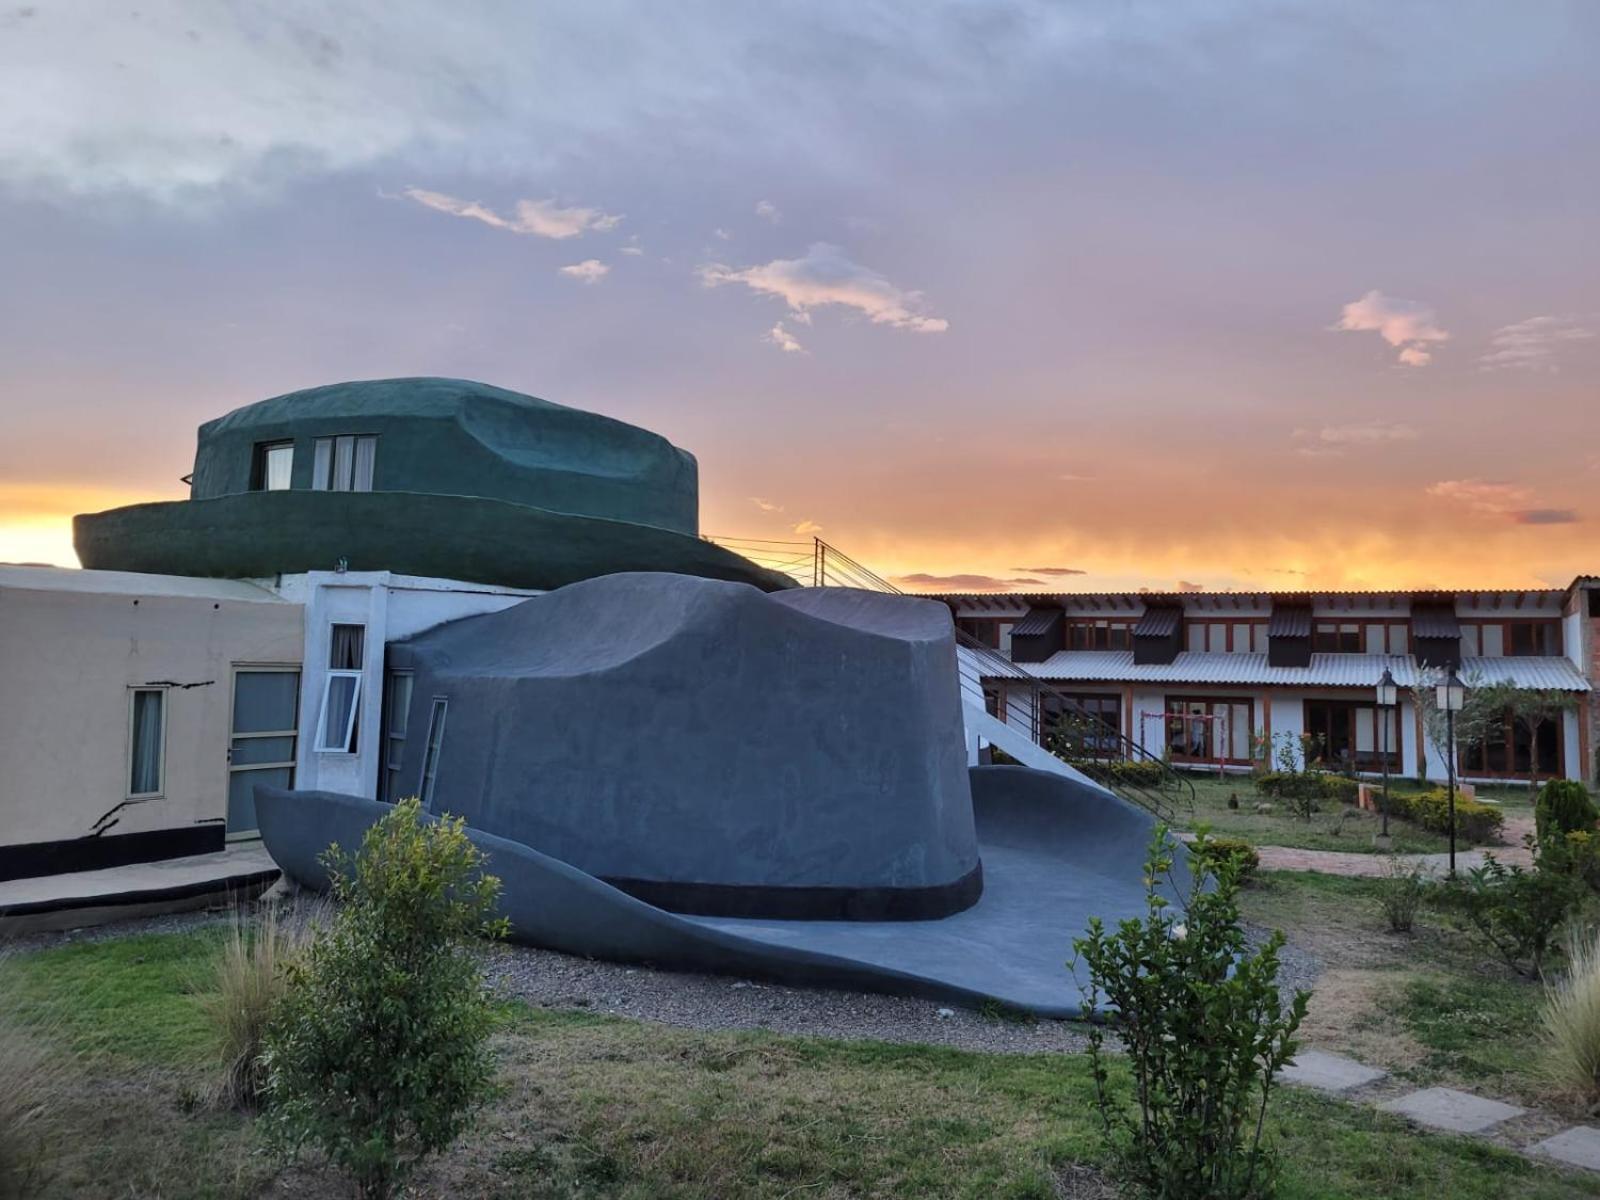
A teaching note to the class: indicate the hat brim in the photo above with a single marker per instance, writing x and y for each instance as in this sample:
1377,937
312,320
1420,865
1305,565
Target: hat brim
1055,852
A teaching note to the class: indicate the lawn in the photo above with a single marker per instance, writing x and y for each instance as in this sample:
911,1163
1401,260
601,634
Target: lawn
1432,1006
1339,827
590,1106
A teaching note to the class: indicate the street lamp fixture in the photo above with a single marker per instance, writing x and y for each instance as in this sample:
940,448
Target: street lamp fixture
1452,698
1388,697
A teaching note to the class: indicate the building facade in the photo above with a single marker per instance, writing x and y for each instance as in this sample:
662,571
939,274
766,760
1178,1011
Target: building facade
1229,680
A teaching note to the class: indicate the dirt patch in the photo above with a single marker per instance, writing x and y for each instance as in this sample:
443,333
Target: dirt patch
1350,1014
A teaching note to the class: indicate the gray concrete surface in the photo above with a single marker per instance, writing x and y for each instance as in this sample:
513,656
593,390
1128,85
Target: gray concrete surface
1055,853
1448,1109
1576,1147
1329,1072
670,729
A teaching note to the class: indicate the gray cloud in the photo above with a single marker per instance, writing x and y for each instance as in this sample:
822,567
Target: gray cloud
972,583
1049,570
1545,516
1532,345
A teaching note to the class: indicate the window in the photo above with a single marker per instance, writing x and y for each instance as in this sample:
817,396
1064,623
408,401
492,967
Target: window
1086,726
147,741
430,756
1200,729
1330,637
272,466
1509,747
344,463
1099,635
1348,734
397,706
341,694
1227,637
1512,638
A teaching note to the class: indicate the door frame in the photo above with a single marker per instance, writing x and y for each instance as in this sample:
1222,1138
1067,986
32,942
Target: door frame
280,668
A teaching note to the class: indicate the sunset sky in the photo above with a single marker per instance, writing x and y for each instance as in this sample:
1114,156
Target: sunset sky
1094,295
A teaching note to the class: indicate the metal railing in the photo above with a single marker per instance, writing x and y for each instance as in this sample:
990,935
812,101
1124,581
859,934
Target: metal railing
1055,721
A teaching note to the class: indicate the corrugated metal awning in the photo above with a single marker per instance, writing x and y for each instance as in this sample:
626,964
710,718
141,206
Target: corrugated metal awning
1037,621
1289,621
1325,670
1432,621
1158,622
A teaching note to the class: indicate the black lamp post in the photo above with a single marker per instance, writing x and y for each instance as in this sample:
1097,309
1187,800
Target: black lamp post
1388,695
1452,696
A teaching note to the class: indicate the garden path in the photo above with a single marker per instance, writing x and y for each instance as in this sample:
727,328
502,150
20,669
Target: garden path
1344,862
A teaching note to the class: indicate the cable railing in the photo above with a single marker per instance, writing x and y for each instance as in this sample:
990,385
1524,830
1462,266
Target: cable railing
1058,723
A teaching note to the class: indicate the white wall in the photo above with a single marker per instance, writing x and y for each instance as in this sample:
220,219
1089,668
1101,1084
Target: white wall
392,608
1288,723
69,657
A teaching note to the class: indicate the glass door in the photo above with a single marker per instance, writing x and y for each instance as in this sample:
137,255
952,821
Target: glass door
266,710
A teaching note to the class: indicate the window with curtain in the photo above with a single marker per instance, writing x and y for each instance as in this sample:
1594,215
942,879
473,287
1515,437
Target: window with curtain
341,693
272,467
146,741
344,463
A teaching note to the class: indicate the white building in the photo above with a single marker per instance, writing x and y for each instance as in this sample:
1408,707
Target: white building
1224,679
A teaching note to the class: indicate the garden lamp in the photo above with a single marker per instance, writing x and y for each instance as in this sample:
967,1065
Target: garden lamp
1388,695
1452,698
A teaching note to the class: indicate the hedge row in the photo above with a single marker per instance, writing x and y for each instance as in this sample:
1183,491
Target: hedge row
1307,785
1475,821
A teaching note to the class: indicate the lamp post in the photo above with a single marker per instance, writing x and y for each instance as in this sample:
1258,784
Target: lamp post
1452,697
1388,694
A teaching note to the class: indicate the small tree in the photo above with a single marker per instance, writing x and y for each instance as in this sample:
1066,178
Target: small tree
1471,723
1205,1029
379,1051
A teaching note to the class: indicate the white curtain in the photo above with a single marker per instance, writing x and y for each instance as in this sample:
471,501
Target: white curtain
322,465
145,777
366,453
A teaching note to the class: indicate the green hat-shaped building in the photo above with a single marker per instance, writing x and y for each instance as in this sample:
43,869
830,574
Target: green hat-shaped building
435,477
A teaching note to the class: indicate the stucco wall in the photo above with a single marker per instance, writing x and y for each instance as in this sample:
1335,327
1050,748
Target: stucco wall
389,607
70,658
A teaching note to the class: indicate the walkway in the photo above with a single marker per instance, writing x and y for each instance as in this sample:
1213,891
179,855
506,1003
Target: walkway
80,898
1445,1110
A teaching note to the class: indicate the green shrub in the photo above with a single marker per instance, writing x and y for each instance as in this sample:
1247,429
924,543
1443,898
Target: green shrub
1205,1030
1570,1020
1134,772
380,1049
1215,851
1401,890
1340,788
247,983
1519,911
1581,850
1564,805
1476,822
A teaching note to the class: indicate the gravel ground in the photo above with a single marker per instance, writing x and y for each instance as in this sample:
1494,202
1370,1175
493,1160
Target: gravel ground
713,1002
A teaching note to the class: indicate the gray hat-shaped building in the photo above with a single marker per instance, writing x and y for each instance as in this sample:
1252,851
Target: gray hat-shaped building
707,748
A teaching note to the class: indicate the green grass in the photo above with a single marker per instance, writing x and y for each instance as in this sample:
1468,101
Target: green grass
592,1106
1338,827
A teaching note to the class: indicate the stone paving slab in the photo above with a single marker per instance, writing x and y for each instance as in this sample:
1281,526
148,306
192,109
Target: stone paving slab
1329,1072
1448,1109
1577,1147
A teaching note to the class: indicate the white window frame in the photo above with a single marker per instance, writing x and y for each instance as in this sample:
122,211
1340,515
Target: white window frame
431,750
161,754
350,721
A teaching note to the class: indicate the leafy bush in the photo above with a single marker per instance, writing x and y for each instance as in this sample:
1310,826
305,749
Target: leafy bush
247,984
1215,851
1564,806
1581,852
1401,890
1147,772
1303,791
1205,1030
1519,911
380,1049
1476,822
1570,1019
